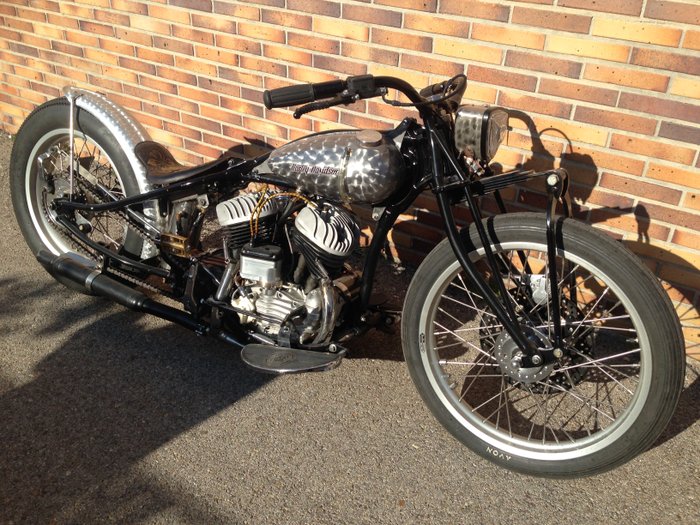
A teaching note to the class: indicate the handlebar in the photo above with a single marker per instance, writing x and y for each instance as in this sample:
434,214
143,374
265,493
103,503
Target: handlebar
302,93
354,88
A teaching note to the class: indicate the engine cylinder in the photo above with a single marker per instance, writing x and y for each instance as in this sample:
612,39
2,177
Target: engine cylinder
235,214
326,234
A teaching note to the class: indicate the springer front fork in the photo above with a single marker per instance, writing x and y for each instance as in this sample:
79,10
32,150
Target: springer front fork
557,184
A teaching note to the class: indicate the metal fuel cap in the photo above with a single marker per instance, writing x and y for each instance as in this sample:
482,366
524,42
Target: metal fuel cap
369,137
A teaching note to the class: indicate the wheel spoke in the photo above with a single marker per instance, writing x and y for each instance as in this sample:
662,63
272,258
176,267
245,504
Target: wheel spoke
459,343
471,383
483,312
474,329
94,171
500,392
594,361
591,310
502,400
561,407
570,274
586,401
468,343
607,370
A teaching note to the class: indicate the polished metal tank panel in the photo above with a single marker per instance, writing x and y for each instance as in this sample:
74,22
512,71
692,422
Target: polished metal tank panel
340,166
128,132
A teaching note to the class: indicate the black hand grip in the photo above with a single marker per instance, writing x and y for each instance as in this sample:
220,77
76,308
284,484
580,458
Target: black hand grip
328,89
288,96
434,89
301,94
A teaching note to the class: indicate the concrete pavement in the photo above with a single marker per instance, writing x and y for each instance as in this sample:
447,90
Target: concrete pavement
111,416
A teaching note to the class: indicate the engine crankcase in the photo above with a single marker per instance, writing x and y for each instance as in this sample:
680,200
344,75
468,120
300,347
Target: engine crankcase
270,307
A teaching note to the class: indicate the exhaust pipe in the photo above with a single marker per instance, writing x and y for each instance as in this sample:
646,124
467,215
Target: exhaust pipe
69,270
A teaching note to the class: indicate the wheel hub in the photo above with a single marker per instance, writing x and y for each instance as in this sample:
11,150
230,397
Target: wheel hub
510,357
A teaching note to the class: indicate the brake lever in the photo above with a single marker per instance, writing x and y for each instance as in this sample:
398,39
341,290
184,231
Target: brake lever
324,104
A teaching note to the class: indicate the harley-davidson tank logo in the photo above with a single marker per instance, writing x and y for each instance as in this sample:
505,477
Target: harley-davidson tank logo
315,170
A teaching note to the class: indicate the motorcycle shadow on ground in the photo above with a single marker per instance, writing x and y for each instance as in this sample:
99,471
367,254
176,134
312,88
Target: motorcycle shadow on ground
117,389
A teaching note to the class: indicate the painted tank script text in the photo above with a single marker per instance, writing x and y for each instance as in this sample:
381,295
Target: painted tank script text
315,170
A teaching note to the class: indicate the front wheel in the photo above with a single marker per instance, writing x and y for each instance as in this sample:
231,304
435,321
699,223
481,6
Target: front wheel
604,401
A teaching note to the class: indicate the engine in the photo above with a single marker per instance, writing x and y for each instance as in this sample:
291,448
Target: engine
286,277
235,218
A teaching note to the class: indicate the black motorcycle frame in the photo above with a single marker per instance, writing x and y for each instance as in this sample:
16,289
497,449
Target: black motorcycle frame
444,175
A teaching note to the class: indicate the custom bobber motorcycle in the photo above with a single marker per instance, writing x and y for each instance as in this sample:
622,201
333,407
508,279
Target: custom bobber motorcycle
540,343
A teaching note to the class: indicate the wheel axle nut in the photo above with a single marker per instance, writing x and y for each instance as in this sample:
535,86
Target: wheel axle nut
558,353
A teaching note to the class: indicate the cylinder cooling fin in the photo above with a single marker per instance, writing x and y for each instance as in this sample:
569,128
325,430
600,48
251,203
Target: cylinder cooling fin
329,228
235,214
326,236
240,209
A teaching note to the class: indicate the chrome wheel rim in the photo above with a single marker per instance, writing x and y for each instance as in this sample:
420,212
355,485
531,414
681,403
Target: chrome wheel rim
585,404
44,185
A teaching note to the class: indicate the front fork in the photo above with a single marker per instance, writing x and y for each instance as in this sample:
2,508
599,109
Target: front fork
557,183
557,192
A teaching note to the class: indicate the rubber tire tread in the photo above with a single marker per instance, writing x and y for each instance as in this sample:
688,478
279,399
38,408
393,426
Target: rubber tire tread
637,281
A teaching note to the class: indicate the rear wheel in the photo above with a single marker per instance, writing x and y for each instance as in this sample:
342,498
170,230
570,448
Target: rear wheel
609,396
39,173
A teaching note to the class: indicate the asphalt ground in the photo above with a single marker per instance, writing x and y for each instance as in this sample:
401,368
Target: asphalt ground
111,416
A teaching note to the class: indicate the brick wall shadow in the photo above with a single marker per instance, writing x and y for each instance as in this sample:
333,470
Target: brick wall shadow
686,298
533,197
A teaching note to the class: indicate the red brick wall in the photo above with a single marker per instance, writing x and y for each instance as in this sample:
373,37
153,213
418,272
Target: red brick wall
612,85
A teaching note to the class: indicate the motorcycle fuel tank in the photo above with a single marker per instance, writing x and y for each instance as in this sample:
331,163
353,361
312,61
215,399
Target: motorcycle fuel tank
358,166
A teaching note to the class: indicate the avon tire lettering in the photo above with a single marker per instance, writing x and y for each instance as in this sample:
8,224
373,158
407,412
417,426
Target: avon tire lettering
497,454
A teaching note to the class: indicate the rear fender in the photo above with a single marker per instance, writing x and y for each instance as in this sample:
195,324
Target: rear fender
128,132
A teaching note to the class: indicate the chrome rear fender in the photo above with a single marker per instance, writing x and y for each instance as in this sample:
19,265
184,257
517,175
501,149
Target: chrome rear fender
128,132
